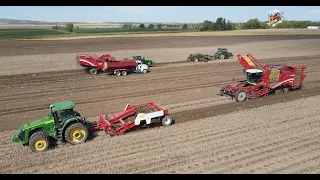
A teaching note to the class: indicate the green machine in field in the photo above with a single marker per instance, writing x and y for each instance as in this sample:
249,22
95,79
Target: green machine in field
148,62
222,53
63,124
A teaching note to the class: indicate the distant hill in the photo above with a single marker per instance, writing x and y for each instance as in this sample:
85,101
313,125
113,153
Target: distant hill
16,21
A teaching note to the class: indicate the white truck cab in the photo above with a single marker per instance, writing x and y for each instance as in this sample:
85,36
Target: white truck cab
141,68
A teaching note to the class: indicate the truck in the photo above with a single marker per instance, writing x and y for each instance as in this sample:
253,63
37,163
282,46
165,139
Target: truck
139,115
148,62
93,65
263,80
62,124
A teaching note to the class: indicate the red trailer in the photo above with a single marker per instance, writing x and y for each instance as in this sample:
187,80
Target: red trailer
262,80
132,116
106,63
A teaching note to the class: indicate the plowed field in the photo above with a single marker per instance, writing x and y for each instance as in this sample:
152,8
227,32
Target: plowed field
212,134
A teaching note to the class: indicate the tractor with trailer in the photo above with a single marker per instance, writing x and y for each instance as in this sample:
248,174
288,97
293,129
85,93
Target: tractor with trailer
93,65
63,124
221,53
139,115
262,80
148,62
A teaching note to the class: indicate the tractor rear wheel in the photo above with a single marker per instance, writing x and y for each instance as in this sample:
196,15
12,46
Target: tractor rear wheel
241,95
39,141
76,133
124,73
118,73
93,71
221,57
167,120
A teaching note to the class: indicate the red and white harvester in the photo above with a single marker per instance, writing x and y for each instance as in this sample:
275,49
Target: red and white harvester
262,80
141,115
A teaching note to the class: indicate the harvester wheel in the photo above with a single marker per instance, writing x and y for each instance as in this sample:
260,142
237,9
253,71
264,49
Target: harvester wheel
144,71
241,95
93,71
222,92
39,141
76,133
196,60
118,73
167,120
278,91
124,73
286,90
221,56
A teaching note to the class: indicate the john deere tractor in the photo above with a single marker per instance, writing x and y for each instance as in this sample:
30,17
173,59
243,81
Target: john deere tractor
63,124
148,62
223,53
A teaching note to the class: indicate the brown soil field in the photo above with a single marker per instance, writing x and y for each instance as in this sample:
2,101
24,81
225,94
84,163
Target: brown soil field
212,133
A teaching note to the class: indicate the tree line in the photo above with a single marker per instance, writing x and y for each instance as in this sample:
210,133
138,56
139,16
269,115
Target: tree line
222,24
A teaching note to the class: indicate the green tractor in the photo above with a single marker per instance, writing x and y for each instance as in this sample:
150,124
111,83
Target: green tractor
148,62
62,124
223,53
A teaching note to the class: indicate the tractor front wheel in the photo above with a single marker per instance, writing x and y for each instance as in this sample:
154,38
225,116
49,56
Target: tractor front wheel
76,133
241,95
167,120
39,141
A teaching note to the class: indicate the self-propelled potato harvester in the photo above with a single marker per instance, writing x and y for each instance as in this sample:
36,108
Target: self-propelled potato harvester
262,80
106,63
134,115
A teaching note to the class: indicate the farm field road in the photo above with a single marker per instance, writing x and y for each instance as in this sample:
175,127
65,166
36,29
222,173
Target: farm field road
175,86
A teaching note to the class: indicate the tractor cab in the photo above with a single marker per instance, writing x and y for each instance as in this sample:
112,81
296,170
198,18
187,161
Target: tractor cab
254,76
62,111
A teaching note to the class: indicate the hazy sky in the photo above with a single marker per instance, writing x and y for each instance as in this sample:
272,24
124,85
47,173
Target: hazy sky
154,13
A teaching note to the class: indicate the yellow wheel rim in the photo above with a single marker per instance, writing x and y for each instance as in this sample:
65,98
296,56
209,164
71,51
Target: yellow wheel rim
77,135
40,145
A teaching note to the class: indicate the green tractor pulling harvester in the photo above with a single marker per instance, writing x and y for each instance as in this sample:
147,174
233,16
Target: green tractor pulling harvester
148,62
63,124
222,53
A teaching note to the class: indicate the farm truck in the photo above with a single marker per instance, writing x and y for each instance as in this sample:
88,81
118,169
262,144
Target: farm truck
262,80
94,64
63,124
139,115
